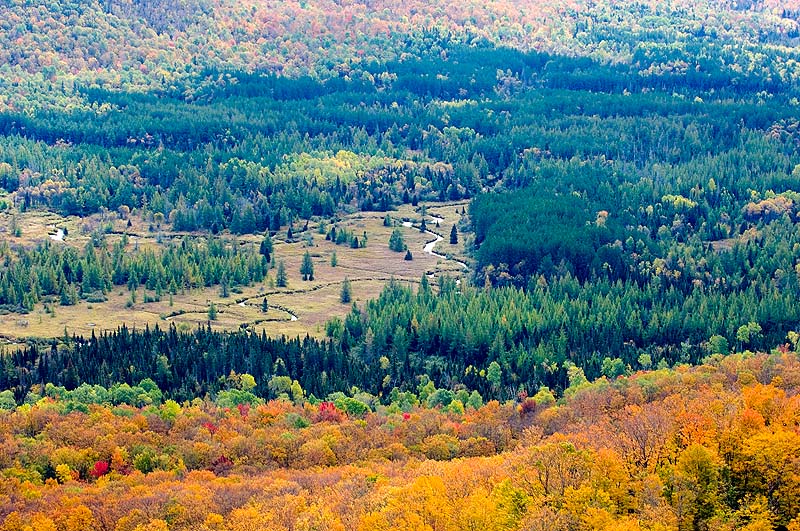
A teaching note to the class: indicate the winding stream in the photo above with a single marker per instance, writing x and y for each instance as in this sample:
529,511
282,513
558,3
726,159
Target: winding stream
58,236
429,247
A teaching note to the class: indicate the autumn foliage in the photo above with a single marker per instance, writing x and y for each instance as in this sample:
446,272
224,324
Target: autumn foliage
711,447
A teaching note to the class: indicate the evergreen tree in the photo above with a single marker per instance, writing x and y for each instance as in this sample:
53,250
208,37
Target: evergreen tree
280,275
224,287
264,305
334,260
307,267
345,295
408,256
453,235
396,242
69,295
266,248
212,312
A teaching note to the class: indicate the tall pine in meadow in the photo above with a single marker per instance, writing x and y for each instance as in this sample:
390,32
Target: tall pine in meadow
307,267
280,275
345,295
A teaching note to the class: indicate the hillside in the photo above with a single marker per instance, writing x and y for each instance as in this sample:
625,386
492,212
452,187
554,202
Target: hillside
523,265
47,50
711,447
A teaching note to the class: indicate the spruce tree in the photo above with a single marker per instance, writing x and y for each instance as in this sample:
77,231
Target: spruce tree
453,235
224,287
280,275
345,295
266,247
396,242
307,267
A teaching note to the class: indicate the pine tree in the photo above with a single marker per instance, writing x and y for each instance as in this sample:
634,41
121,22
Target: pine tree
266,248
307,267
453,235
345,295
334,260
224,287
408,256
280,275
264,305
212,312
387,221
423,226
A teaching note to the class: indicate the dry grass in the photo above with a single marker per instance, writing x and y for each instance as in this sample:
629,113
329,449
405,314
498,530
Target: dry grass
312,302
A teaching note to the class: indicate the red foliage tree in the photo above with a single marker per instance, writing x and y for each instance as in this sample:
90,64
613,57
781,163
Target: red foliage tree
328,412
100,469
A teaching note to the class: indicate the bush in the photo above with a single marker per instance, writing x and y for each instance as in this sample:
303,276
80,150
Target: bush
96,296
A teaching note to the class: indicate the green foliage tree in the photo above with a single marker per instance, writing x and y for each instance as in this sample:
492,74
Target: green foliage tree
281,279
345,294
494,375
7,400
307,267
748,333
266,248
613,367
396,242
717,344
224,287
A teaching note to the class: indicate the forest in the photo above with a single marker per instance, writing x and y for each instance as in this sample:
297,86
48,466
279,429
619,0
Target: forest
708,447
606,340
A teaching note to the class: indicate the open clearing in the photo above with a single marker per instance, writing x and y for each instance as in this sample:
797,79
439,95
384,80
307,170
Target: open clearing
303,307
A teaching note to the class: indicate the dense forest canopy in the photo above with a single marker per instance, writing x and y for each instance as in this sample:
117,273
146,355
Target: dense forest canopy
633,168
714,446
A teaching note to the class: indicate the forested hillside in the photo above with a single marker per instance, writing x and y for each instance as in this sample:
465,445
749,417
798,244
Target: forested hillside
632,170
711,447
146,44
271,265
